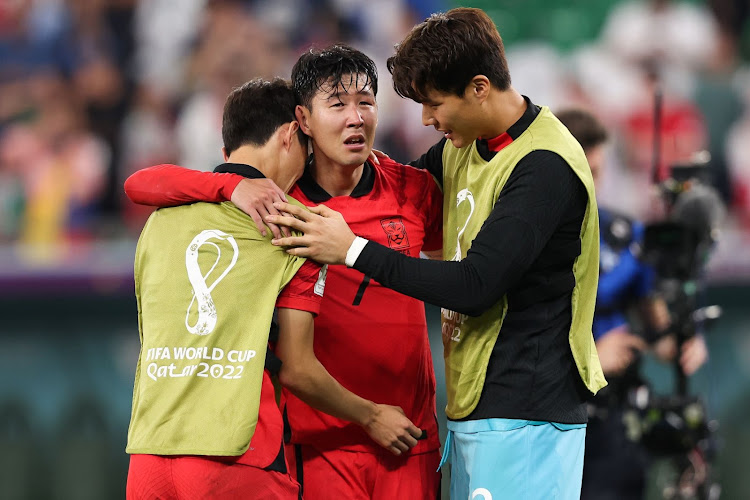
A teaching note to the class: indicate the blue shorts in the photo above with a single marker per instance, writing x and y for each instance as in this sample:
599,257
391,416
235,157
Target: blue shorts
499,458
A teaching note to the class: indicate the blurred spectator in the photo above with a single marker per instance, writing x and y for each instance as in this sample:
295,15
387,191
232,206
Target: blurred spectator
147,78
674,32
218,64
60,167
164,30
147,138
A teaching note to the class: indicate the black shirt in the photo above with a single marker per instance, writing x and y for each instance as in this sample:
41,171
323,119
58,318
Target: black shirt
525,250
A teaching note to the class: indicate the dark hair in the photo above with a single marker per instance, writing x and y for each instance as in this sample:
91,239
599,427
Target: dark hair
322,70
446,51
584,126
254,111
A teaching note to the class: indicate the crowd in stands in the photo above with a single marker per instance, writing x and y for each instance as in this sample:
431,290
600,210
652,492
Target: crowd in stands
92,90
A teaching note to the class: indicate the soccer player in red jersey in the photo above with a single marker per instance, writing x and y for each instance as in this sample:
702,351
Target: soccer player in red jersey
371,339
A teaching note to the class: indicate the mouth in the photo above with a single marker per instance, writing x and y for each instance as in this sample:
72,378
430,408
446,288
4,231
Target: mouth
447,133
355,142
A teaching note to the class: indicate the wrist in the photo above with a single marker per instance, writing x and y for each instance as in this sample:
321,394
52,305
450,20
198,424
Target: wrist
368,415
355,249
231,182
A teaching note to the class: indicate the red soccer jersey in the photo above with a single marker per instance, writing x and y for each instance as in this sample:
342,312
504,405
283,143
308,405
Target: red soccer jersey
372,339
300,293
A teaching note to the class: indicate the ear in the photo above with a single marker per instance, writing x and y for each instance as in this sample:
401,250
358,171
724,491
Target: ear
479,87
302,114
289,134
224,153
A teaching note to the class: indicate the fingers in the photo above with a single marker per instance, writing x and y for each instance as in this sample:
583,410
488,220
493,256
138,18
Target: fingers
283,220
277,231
409,440
259,223
379,154
324,211
402,444
256,198
305,214
295,242
373,158
279,191
292,210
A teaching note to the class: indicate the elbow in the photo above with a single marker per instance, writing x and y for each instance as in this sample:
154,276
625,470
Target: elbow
473,308
130,187
292,379
134,189
473,311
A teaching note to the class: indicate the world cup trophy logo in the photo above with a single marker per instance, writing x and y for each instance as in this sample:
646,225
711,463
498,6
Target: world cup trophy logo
206,308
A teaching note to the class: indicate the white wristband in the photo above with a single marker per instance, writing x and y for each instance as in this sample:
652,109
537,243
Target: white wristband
354,250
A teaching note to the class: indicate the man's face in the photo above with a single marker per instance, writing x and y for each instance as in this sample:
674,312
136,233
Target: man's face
451,115
342,122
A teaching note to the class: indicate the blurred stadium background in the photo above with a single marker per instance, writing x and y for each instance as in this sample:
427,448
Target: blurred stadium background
92,90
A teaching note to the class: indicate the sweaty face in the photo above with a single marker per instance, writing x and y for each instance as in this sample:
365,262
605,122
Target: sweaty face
451,115
342,122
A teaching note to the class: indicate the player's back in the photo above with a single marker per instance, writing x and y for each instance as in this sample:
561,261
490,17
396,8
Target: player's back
206,285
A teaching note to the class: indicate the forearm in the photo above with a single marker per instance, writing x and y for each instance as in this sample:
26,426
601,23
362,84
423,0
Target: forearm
312,383
529,210
170,185
471,286
303,374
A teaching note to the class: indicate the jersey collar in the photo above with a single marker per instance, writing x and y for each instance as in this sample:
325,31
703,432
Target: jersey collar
488,147
317,194
240,169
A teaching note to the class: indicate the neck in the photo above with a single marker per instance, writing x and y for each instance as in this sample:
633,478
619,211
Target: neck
258,158
502,109
336,179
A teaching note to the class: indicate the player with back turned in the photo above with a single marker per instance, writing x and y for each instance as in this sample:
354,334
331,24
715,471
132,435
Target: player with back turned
205,423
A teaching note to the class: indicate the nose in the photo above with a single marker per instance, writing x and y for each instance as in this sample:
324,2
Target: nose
354,119
427,119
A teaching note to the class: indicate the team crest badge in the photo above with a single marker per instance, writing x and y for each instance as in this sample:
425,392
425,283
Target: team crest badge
395,230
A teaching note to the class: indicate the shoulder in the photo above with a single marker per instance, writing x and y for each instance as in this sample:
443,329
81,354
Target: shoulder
390,167
405,177
545,167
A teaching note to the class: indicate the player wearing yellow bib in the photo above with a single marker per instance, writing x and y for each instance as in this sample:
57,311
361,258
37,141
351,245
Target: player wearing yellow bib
204,421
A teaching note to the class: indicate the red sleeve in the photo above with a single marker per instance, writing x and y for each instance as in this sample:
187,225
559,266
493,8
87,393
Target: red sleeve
170,185
305,291
433,238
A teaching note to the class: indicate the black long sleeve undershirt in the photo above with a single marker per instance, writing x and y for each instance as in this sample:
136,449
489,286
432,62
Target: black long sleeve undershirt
432,161
542,196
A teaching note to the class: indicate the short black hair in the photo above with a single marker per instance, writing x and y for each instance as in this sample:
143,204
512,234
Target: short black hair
254,111
317,68
584,126
446,51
